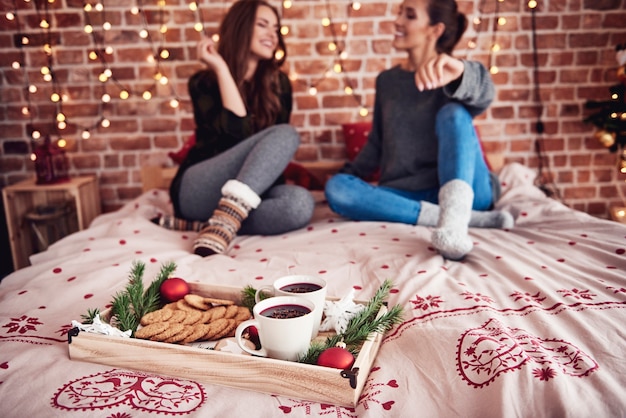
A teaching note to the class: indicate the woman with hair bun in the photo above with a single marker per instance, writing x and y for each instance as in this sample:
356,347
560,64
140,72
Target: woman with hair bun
423,141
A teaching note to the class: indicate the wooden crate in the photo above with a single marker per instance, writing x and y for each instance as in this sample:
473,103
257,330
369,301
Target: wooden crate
23,197
277,377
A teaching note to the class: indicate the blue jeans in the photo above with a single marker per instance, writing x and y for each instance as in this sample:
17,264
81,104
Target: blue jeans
459,157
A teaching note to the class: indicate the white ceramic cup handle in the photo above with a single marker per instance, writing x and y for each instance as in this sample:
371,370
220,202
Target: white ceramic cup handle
266,289
241,328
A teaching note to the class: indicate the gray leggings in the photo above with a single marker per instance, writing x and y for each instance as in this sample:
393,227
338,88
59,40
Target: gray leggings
257,162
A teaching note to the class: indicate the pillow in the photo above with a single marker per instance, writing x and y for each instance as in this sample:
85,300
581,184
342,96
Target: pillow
181,154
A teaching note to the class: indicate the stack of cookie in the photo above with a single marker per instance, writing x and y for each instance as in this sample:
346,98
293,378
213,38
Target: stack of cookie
193,318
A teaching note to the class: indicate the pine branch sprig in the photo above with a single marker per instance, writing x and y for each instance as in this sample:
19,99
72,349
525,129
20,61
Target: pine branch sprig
360,326
152,298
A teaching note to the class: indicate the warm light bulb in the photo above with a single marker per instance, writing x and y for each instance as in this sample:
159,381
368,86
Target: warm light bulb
32,88
363,112
25,111
325,21
146,95
87,7
337,68
502,21
99,7
165,54
532,4
88,29
106,98
55,97
494,70
106,26
174,103
10,16
287,4
124,94
93,55
284,30
15,65
198,27
332,46
61,125
62,143
279,54
105,123
86,134
163,81
193,6
108,50
36,135
312,91
348,90
134,10
356,5
60,117
143,34
44,24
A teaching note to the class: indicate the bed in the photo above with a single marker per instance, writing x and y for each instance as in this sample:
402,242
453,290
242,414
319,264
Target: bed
531,323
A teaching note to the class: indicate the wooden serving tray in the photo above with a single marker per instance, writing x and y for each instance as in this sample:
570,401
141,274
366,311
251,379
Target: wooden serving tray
277,377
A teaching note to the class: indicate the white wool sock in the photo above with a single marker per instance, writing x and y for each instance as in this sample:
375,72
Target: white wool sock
450,236
429,216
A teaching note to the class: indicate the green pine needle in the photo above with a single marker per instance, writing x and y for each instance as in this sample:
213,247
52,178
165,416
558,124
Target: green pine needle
90,315
360,326
129,305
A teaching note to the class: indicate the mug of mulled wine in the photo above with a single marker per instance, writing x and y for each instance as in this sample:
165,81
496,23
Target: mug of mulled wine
308,287
284,325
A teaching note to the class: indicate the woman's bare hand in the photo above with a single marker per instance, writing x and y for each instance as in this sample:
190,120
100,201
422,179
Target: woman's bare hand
207,53
438,72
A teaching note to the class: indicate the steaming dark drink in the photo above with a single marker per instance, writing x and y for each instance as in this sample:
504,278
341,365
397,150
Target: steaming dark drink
285,311
301,288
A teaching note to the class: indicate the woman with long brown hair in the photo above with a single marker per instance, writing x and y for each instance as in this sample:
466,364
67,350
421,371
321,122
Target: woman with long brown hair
230,181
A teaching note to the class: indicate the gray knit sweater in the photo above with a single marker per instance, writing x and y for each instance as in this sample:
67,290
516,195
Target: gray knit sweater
402,142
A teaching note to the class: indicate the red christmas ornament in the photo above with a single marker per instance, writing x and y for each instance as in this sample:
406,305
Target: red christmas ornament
336,357
174,289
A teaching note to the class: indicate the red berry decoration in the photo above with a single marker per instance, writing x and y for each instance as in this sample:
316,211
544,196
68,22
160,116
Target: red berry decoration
173,289
336,357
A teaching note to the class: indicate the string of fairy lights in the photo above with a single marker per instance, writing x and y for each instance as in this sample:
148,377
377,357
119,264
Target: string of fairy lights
97,25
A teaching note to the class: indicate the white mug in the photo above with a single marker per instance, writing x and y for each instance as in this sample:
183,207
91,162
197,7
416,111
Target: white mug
282,337
299,285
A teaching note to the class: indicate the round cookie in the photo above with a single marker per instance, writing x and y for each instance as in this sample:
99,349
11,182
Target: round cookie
192,317
160,315
216,327
151,330
199,332
171,330
184,333
197,302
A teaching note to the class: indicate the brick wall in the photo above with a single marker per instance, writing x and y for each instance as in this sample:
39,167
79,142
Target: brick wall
575,41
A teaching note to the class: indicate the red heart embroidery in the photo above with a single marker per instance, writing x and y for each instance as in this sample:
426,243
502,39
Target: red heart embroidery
387,405
392,383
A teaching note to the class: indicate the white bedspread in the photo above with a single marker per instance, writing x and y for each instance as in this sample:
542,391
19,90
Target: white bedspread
530,324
